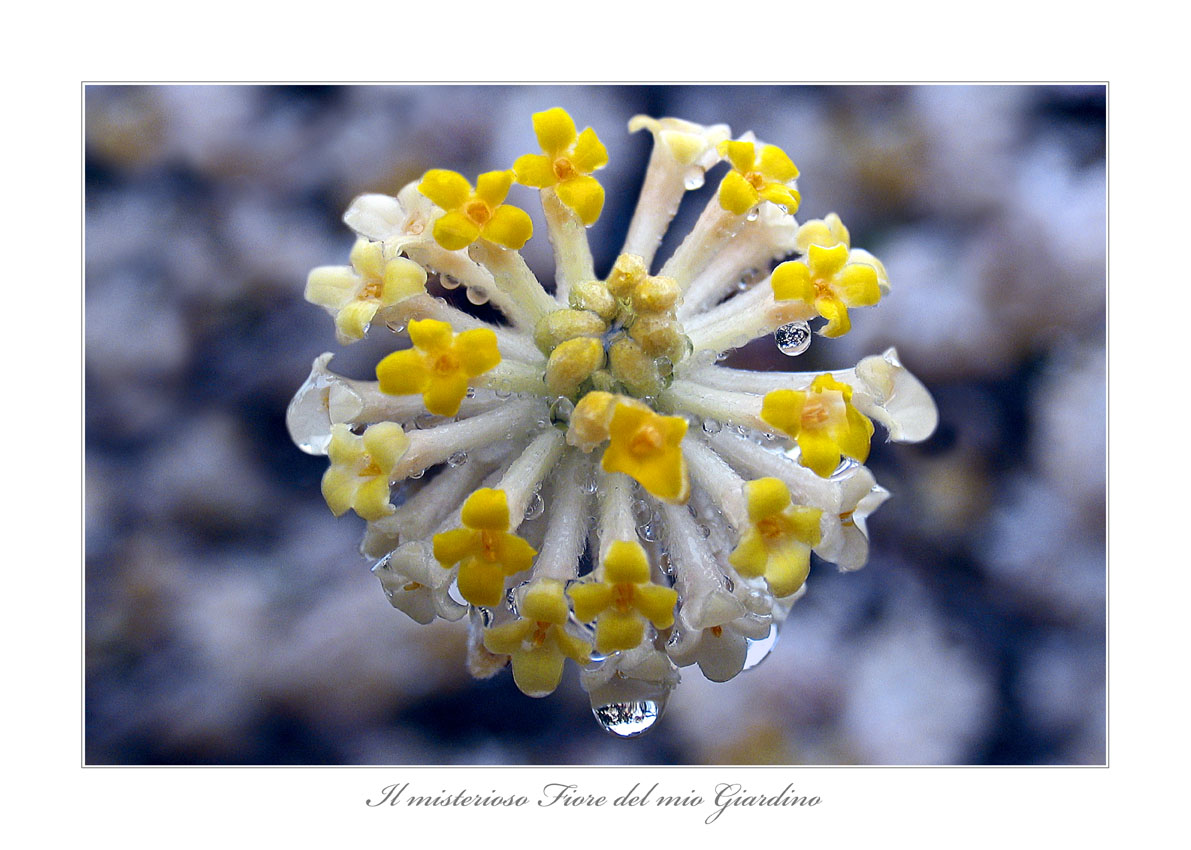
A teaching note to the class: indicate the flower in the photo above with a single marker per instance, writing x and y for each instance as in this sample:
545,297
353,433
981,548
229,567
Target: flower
469,215
778,542
355,294
566,163
484,549
361,467
623,599
439,365
594,424
539,641
756,178
822,421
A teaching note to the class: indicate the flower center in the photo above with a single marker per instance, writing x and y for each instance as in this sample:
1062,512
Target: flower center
478,211
770,528
646,441
373,289
756,179
814,413
563,169
490,545
717,630
446,363
622,597
370,468
539,633
413,585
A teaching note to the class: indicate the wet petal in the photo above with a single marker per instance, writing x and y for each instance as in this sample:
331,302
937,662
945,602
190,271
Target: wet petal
584,195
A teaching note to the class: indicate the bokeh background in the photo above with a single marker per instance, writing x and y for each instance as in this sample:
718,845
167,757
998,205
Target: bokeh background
228,617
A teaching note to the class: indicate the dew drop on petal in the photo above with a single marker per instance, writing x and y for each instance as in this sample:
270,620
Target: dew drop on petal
477,295
535,507
448,282
712,426
793,339
457,459
396,327
693,180
753,213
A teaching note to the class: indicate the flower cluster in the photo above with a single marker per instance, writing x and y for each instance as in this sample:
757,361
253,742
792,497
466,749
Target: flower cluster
584,480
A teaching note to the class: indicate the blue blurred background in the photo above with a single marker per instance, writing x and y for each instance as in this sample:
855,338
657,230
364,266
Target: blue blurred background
228,616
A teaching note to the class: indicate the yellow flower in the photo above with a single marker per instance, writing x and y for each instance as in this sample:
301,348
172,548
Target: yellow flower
753,179
648,447
538,642
484,549
355,293
361,467
566,162
829,282
472,214
439,365
778,543
623,599
823,422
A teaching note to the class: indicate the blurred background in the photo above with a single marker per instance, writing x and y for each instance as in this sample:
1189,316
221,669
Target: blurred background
229,618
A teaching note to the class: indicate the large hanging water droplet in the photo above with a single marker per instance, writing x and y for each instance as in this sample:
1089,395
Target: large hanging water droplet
628,719
753,213
448,282
758,650
477,295
793,339
694,180
397,327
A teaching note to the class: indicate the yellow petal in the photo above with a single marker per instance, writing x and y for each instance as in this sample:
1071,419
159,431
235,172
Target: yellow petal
589,152
481,582
625,563
826,263
515,554
742,155
776,165
451,547
784,195
857,285
385,443
332,286
444,393
537,672
584,195
766,497
590,599
447,189
750,556
477,351
783,410
535,170
368,258
486,509
736,194
430,335
792,282
804,523
339,487
656,604
509,226
353,320
555,130
506,639
836,314
403,278
825,232
493,186
372,498
789,565
571,646
855,440
647,447
345,447
818,452
616,631
545,602
403,373
455,230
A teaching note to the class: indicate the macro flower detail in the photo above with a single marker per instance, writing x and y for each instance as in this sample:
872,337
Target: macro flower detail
823,421
566,163
830,282
471,214
358,478
484,549
355,294
624,599
439,365
777,545
539,642
755,178
584,478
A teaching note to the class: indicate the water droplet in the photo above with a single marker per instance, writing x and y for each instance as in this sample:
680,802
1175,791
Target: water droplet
477,295
457,459
648,532
729,585
511,601
742,284
416,475
721,356
704,531
561,409
424,421
753,213
453,592
846,465
793,339
712,426
665,366
448,282
628,719
758,650
471,392
536,506
693,180
590,485
396,327
502,392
